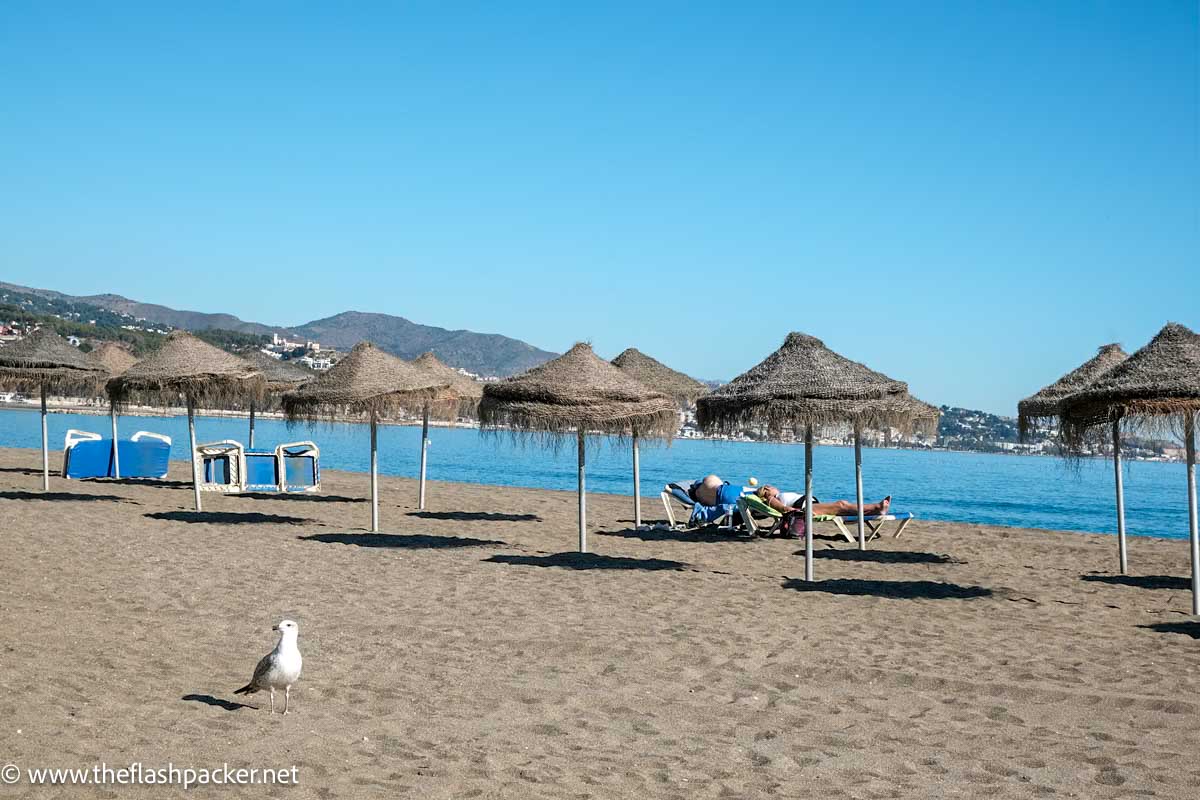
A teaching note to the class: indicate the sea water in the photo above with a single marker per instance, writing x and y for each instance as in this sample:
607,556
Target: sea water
1024,491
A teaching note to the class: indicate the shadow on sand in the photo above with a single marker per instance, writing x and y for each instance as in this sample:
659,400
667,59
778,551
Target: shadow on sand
475,516
588,561
21,470
228,518
668,535
409,541
303,497
1141,581
1191,629
896,590
882,556
64,497
216,702
163,483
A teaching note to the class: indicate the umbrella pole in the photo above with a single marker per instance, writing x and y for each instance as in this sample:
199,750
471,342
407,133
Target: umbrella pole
374,477
1122,552
191,409
862,525
1193,534
116,456
45,446
250,441
808,502
424,451
637,484
582,497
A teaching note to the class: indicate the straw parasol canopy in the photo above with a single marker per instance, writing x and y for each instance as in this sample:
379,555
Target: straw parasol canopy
658,376
45,359
280,375
114,358
368,381
189,368
1160,380
805,383
577,391
914,415
463,394
1047,403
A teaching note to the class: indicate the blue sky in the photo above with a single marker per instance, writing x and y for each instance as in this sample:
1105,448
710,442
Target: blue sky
970,197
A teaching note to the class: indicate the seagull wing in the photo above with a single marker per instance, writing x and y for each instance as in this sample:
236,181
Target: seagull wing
260,673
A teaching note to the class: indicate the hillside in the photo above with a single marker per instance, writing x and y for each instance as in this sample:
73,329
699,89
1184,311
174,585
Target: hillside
482,353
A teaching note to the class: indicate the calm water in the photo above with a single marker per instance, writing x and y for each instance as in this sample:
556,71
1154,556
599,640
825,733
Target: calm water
965,487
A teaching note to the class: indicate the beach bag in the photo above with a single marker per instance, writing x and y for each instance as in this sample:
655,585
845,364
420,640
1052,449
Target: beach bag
792,525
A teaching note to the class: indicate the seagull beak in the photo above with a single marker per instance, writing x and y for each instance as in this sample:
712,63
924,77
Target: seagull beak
274,627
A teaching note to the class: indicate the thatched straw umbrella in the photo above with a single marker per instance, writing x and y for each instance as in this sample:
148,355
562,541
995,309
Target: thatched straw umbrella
281,376
1159,382
460,398
1047,403
45,361
581,392
804,384
658,376
115,359
194,370
367,382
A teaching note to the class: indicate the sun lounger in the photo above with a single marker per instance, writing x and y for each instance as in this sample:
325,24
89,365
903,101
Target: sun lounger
761,518
89,455
230,468
678,493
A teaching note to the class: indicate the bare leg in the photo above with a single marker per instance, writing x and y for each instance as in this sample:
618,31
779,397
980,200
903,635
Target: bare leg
272,699
287,697
844,508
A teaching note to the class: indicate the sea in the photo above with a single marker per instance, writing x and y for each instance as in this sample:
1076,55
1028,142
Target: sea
1013,490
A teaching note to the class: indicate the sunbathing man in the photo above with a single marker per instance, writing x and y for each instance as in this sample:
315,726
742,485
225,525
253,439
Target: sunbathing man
794,501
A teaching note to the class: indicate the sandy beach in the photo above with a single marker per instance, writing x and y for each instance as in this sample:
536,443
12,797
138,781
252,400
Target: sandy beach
465,652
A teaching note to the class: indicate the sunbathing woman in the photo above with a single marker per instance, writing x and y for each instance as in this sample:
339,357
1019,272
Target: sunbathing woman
794,501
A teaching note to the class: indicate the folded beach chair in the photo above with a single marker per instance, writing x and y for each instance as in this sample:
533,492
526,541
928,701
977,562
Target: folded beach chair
761,518
222,467
89,455
679,492
230,468
300,467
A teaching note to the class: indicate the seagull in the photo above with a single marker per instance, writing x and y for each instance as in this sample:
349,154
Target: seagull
280,668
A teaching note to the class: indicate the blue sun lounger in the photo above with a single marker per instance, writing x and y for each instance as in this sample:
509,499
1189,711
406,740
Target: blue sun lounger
230,468
89,455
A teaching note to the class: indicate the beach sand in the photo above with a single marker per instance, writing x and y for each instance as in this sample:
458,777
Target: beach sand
466,653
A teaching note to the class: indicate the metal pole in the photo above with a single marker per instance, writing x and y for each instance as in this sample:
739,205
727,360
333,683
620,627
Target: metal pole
1122,552
637,484
582,497
808,502
250,442
116,456
862,525
424,448
192,440
1193,534
45,446
374,478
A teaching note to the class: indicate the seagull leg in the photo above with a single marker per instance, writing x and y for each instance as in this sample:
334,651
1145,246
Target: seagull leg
287,697
272,699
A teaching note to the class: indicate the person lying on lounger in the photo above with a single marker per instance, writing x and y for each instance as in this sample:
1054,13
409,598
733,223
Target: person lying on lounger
794,501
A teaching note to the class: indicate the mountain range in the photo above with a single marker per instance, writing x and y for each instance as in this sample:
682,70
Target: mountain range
484,354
